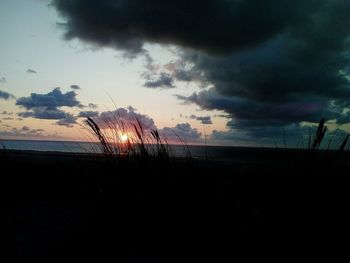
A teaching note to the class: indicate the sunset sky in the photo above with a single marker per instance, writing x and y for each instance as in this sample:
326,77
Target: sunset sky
243,72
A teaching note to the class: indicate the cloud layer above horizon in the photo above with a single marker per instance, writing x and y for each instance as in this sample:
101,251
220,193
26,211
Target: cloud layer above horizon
267,64
129,118
47,106
59,106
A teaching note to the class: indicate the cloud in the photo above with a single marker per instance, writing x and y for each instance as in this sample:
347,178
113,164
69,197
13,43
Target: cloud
128,117
278,82
47,106
53,99
92,106
7,113
202,119
5,95
165,75
299,74
25,128
75,87
127,25
266,64
64,118
184,131
184,75
163,81
86,114
246,113
44,113
25,132
205,120
131,108
3,80
292,135
31,71
67,121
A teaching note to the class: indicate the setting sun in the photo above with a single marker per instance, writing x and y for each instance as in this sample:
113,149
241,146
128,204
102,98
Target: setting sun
124,137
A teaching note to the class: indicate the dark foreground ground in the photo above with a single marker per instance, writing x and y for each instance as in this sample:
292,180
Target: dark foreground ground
264,204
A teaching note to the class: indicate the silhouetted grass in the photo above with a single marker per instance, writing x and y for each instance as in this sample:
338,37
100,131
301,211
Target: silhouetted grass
320,133
320,160
129,141
319,136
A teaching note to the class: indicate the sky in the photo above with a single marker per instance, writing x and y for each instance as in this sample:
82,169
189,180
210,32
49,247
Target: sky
239,72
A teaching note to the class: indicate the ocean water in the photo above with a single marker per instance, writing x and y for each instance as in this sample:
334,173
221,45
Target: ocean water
212,155
51,146
89,147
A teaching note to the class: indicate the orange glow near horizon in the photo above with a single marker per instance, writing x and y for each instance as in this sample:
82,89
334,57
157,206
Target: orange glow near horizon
124,138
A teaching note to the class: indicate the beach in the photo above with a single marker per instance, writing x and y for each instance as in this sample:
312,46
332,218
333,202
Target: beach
73,206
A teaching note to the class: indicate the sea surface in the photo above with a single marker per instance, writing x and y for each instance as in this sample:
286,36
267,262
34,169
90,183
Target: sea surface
91,147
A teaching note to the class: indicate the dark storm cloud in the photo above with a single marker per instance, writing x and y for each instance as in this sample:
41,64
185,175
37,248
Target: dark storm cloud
246,113
53,99
266,64
158,76
292,135
215,26
299,74
273,72
31,71
184,75
75,87
275,84
164,81
86,114
5,95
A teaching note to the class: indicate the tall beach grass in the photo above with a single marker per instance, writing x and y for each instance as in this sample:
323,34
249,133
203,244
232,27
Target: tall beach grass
122,140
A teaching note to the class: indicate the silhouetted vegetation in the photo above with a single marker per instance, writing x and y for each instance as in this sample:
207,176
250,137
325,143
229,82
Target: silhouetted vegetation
129,141
321,160
320,133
